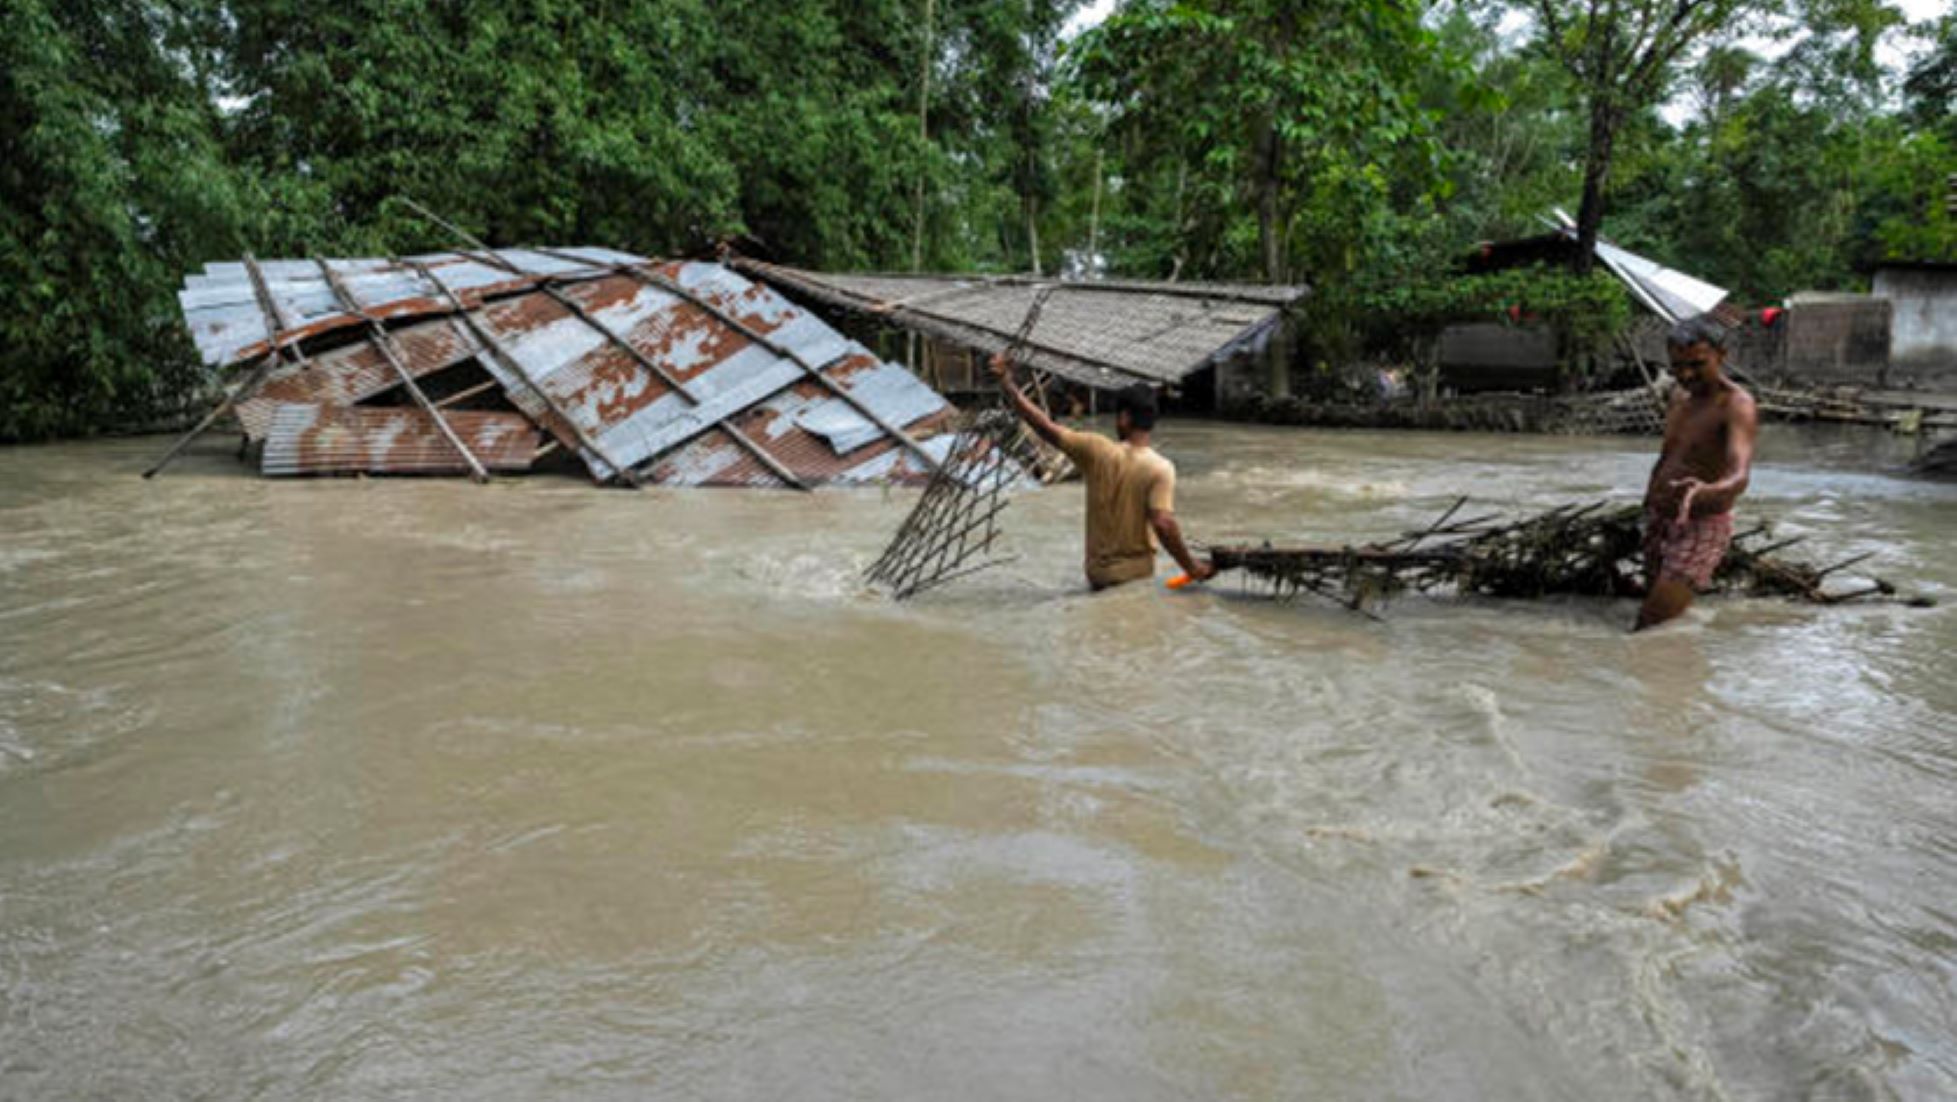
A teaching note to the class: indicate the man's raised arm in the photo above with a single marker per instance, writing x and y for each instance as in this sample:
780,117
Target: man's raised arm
1042,425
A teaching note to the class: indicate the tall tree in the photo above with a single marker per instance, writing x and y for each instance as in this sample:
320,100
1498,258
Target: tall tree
1621,53
110,185
1624,55
1288,103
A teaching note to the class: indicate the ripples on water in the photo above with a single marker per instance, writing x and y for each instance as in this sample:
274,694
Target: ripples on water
360,789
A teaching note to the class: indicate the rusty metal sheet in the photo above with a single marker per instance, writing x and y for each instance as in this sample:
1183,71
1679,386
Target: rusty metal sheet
577,374
228,325
316,439
716,461
779,426
892,393
356,372
635,417
626,409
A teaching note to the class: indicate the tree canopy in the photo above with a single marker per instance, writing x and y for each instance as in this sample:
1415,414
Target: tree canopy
1359,145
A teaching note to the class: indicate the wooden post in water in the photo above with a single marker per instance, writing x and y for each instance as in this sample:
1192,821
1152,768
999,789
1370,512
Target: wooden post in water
276,323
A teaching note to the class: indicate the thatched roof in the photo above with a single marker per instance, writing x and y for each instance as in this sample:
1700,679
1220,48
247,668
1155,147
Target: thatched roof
1103,334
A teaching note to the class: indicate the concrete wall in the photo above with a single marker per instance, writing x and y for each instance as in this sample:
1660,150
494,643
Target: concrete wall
1754,350
1923,342
1833,338
1759,351
1489,356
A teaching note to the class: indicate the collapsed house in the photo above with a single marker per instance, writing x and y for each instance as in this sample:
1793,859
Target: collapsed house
676,372
679,372
1101,335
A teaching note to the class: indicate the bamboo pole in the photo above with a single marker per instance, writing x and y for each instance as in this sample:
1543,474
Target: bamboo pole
924,139
244,389
923,132
465,395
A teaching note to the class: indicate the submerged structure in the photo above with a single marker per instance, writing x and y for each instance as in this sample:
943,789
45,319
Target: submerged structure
677,372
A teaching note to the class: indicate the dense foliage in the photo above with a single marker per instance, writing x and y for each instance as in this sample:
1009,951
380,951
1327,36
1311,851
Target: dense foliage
1360,145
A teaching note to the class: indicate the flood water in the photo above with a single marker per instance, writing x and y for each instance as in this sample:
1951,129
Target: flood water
389,788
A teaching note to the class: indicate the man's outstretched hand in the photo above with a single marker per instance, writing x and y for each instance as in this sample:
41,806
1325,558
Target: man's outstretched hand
1691,486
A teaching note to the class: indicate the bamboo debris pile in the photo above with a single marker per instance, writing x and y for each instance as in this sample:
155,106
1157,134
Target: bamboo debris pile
1905,412
1639,411
956,520
1592,550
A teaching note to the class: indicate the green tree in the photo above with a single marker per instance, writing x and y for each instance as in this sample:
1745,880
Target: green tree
1621,54
110,186
1290,108
1625,56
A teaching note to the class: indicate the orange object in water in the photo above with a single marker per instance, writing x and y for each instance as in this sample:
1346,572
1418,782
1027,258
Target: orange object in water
1179,581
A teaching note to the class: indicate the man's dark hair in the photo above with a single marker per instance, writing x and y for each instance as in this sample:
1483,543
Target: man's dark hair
1138,402
1703,329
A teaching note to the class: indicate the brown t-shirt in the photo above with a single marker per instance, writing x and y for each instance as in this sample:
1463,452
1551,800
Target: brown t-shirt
1123,484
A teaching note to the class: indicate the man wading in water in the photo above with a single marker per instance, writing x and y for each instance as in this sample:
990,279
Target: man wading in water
1702,470
1131,488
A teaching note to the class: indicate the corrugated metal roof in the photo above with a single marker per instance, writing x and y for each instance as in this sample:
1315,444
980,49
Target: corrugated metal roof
320,439
353,373
228,324
1103,334
1667,292
686,370
779,426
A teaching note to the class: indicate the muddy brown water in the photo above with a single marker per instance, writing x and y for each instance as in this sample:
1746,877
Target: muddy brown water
373,789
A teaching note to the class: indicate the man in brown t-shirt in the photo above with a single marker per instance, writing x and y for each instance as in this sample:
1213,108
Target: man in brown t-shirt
1131,488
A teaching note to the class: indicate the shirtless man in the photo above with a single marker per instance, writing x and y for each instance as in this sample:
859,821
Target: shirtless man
1702,470
1131,487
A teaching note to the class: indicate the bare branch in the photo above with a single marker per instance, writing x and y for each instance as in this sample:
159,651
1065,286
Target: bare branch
1665,45
1572,62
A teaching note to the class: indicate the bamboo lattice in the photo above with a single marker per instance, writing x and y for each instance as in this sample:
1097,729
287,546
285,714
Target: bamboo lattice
956,520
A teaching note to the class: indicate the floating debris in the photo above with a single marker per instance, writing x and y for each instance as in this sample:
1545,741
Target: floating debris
1592,550
956,520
